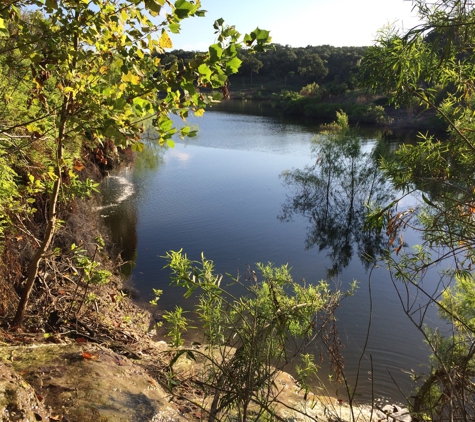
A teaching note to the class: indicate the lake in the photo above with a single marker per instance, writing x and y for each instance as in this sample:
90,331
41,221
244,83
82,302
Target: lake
222,193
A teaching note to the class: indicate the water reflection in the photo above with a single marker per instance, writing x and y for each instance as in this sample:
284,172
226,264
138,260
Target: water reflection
120,193
120,215
333,195
152,157
220,194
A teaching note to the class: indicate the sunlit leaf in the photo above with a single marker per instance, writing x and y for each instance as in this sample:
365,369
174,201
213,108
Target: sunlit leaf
130,77
165,41
232,66
174,28
204,70
3,28
165,125
183,8
215,52
138,146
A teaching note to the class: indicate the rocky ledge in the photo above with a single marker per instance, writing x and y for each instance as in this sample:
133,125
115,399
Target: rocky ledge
86,382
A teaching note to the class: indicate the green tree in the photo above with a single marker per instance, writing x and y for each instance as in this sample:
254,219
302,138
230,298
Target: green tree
88,74
250,337
250,63
433,66
310,67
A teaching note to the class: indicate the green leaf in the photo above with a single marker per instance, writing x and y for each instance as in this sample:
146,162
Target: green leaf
233,65
165,125
231,50
138,147
153,7
174,28
261,34
215,52
184,8
204,70
141,104
170,143
219,80
218,23
184,131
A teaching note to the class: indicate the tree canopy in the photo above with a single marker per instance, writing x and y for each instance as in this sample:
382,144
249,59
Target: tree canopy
87,75
432,65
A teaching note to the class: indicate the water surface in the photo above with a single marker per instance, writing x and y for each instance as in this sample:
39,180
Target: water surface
221,194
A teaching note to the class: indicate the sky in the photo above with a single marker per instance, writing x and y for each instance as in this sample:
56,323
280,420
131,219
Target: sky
298,23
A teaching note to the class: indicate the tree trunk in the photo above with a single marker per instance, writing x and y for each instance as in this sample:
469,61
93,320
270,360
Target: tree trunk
34,265
38,256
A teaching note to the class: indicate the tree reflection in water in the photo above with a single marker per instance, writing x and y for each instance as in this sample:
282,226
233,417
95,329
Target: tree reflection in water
334,195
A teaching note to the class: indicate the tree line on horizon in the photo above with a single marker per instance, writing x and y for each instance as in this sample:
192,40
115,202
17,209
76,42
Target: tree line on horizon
292,67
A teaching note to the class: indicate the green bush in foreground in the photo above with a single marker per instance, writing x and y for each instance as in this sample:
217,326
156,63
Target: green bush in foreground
250,337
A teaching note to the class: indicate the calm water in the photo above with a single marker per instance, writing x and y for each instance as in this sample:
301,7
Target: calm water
221,194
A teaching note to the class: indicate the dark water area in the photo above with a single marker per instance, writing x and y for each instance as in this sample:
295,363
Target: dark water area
223,194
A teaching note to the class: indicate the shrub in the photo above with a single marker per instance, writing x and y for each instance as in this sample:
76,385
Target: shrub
249,338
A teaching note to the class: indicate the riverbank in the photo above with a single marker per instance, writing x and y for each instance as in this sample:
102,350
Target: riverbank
360,106
105,369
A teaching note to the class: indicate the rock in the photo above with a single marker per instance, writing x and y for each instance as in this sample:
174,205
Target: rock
87,383
396,413
18,400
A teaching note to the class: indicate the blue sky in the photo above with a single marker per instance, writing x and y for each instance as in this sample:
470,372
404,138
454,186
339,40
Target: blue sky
299,23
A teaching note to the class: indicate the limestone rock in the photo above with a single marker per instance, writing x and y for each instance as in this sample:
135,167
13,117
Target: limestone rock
87,383
18,400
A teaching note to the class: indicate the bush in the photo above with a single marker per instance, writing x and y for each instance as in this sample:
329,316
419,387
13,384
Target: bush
249,338
311,90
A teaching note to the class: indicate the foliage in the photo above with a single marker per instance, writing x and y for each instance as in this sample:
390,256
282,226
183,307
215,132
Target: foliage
90,268
432,66
250,336
313,105
176,324
85,76
303,65
311,90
